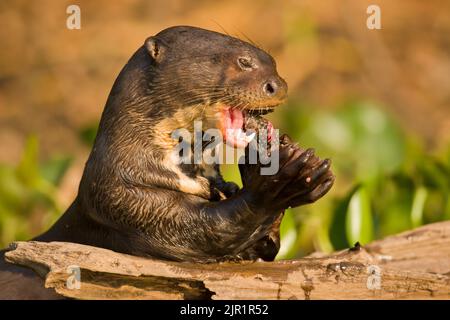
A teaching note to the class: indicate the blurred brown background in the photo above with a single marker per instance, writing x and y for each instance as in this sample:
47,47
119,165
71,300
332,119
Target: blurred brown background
54,81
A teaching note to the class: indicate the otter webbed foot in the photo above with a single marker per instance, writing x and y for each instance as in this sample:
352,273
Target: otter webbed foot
302,178
309,178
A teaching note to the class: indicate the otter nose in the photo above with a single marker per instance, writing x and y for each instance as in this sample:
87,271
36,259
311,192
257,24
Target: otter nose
276,88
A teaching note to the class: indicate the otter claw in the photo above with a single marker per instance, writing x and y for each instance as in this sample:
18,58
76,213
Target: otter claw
302,178
314,195
321,169
285,139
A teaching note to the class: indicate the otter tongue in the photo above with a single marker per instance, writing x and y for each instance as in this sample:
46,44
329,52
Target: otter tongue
233,133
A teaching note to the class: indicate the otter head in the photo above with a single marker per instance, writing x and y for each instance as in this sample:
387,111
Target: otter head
216,78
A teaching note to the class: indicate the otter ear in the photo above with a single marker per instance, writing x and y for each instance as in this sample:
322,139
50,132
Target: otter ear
155,48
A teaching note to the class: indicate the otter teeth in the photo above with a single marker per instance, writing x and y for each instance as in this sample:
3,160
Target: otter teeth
241,135
249,137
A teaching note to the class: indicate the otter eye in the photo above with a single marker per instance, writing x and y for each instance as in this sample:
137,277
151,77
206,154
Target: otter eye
245,63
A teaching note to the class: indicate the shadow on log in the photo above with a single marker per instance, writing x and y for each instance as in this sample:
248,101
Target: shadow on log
411,265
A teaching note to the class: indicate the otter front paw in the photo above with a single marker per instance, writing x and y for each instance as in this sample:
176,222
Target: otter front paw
308,177
302,178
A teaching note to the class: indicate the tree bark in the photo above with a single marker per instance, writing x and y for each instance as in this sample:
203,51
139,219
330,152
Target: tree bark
411,265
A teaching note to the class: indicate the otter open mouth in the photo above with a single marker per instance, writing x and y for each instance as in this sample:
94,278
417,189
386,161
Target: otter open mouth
239,127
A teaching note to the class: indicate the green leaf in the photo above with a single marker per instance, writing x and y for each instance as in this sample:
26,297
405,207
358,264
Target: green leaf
420,196
54,170
12,191
28,171
88,134
359,225
288,234
338,223
230,172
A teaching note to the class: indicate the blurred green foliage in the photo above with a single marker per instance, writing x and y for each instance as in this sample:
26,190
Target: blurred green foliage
88,133
385,181
28,193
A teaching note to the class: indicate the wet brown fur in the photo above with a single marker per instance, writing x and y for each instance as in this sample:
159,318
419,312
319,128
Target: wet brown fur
133,199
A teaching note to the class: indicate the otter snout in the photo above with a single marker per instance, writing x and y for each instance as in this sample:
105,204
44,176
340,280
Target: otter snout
276,88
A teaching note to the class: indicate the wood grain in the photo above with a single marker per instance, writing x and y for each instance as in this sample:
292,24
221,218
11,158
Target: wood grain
411,265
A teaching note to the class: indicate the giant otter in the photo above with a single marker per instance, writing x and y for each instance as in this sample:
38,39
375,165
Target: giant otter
134,198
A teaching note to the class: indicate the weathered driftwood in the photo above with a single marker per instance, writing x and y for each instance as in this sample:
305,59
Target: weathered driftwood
411,265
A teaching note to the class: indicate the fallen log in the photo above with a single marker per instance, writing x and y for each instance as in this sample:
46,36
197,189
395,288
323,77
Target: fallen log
411,265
